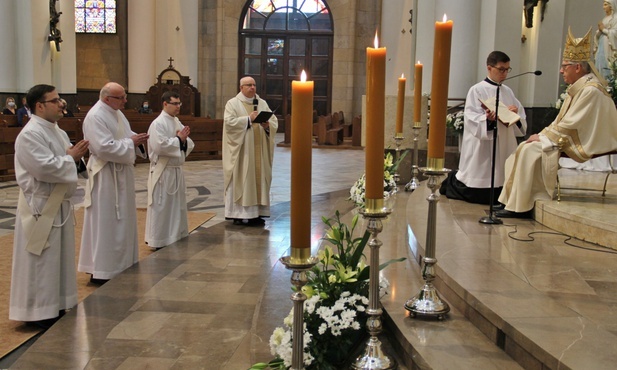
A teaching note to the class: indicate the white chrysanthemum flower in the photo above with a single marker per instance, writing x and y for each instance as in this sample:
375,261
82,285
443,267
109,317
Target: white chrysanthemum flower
288,321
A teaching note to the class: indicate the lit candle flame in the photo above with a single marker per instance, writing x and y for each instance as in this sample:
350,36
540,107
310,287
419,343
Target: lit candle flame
445,18
376,41
303,76
402,75
419,62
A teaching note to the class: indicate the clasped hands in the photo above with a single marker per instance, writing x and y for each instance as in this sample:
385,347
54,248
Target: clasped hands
78,150
184,133
139,139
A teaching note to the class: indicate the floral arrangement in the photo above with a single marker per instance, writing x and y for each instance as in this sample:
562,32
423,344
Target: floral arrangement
357,191
561,99
337,300
456,121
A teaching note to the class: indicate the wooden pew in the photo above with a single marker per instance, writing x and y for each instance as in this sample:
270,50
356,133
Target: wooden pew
9,120
206,133
356,137
334,135
7,151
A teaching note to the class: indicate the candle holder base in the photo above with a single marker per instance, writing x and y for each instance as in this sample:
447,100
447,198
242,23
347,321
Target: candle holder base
427,303
414,183
373,357
398,139
298,280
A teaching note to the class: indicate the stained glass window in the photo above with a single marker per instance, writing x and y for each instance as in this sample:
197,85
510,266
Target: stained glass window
95,16
295,15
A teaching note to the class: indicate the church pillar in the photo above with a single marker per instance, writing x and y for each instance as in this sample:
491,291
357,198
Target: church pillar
142,42
8,61
64,62
26,62
177,34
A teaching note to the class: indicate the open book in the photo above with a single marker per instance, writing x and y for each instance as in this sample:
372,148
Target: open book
505,115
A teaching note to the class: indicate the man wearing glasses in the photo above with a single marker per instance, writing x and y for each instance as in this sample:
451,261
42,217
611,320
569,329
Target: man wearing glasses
43,282
472,182
168,146
109,240
584,126
248,150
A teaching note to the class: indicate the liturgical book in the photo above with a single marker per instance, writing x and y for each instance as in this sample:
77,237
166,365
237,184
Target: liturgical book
505,115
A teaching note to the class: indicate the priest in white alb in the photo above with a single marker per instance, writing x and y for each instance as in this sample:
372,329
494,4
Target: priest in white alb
585,126
168,146
109,240
248,152
43,280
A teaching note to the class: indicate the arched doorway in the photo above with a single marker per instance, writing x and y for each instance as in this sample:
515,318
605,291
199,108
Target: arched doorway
279,39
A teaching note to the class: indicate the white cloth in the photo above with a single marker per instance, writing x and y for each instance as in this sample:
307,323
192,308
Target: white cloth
587,124
600,164
109,240
606,42
247,160
477,146
166,218
43,285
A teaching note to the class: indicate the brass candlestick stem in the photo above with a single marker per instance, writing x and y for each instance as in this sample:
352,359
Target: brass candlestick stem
428,302
414,183
373,357
298,280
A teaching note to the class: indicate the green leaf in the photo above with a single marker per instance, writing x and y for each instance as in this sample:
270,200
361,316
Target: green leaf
365,274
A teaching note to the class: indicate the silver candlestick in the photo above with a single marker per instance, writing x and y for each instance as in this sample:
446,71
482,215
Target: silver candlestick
428,302
398,139
298,280
373,357
414,183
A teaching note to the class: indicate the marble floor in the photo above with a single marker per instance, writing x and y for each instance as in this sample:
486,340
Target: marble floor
211,300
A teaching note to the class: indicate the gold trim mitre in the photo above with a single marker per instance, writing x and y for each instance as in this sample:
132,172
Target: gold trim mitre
578,49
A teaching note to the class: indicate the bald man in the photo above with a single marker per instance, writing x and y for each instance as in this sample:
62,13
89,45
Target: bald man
109,241
248,151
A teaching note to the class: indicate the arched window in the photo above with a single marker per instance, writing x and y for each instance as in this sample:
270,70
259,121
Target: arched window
279,39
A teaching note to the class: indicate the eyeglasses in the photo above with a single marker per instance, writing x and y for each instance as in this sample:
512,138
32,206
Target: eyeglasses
503,70
117,97
176,103
566,65
54,100
249,85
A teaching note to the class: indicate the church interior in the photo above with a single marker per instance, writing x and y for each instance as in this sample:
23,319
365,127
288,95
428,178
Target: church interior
537,293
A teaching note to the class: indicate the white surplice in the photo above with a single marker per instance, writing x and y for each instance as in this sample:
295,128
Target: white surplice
248,152
166,218
43,285
477,146
109,241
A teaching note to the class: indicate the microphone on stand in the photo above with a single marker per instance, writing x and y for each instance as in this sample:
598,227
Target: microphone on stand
491,219
537,73
255,103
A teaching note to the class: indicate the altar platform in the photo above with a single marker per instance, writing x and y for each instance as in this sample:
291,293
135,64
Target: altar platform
212,300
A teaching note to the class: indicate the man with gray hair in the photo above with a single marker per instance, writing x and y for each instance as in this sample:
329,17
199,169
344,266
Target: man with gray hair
584,126
109,241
